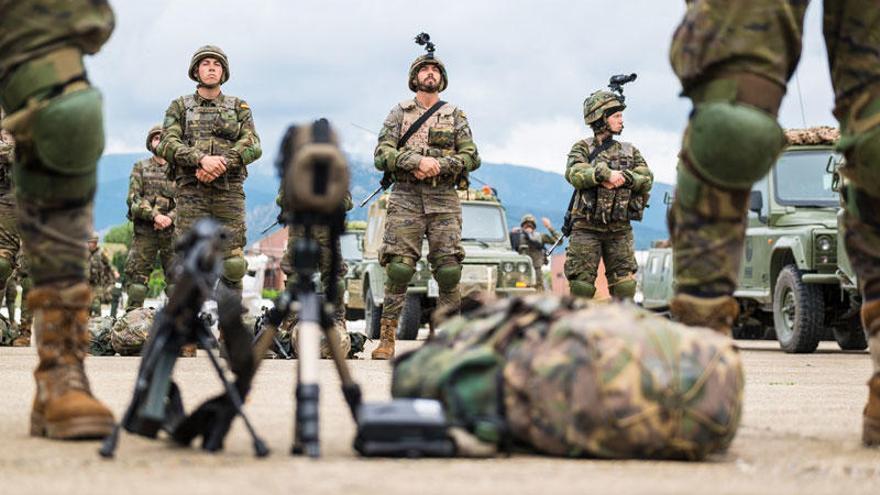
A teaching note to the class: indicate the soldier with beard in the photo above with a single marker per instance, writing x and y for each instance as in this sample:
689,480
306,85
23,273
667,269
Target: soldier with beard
427,158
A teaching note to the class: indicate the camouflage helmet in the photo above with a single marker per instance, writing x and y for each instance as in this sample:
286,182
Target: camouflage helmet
203,53
99,336
421,62
600,104
528,218
156,129
93,237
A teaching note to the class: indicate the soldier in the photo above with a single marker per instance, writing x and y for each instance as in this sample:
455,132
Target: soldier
56,118
427,166
9,239
532,244
151,208
101,277
613,182
736,76
20,277
209,139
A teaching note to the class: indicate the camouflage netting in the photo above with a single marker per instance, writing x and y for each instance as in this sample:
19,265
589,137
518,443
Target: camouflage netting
130,332
99,336
581,379
812,136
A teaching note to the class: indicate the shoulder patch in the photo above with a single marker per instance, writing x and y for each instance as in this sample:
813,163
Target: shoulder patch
244,106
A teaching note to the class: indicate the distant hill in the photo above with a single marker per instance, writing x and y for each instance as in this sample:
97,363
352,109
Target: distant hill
521,189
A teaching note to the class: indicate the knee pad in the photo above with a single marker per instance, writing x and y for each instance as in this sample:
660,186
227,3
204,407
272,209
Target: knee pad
234,268
579,288
448,276
399,273
625,289
5,270
731,144
136,294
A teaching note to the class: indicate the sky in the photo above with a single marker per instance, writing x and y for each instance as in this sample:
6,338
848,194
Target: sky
519,69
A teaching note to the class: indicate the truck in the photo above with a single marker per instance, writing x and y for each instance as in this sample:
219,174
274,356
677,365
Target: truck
795,282
490,265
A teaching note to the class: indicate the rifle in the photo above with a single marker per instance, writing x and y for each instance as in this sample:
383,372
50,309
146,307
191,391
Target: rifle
156,403
384,184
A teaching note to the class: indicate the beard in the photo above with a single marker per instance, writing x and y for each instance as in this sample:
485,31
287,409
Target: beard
428,86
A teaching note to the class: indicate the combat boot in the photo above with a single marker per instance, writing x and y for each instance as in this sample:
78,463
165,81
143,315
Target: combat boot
717,313
386,339
64,407
871,415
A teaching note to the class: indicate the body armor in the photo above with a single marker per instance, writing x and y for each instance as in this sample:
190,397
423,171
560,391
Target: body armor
606,206
213,129
157,191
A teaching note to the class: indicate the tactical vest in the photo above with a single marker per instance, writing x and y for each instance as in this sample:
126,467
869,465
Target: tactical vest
605,206
435,138
158,189
213,130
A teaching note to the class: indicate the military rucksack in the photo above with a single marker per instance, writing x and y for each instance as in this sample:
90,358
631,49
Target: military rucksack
573,378
99,336
131,330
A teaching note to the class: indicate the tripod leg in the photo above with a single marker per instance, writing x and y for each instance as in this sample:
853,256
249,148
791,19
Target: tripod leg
307,390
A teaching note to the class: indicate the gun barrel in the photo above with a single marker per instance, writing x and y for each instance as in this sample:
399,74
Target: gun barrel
371,196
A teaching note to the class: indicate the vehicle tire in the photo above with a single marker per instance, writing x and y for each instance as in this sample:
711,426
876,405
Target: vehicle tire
850,336
372,313
798,312
410,318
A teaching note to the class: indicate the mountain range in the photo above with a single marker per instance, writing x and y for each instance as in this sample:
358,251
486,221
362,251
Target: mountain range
521,189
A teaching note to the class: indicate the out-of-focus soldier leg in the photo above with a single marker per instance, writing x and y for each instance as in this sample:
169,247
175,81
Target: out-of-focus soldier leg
735,75
10,295
228,208
445,255
582,258
620,265
57,121
27,318
138,265
852,36
539,278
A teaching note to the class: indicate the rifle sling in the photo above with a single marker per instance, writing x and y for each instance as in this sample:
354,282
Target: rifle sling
414,128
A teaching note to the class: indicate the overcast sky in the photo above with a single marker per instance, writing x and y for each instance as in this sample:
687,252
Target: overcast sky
519,69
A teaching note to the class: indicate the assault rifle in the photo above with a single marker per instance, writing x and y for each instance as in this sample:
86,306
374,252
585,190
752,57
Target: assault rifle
156,404
384,184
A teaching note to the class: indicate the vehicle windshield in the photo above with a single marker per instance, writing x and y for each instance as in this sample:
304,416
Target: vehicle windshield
351,249
483,223
802,179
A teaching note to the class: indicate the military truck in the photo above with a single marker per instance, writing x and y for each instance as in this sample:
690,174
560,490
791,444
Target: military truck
352,244
490,264
795,281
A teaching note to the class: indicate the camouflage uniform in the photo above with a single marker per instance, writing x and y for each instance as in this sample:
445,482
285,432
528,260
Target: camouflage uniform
428,208
9,239
100,279
56,118
195,127
150,193
20,277
601,220
734,61
533,247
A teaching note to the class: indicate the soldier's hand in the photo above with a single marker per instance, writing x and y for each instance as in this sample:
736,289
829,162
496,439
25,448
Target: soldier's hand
214,165
429,167
204,176
546,222
617,178
161,222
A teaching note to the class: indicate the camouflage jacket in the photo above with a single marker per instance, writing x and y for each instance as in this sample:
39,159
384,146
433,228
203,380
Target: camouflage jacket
601,209
446,136
195,127
150,192
100,272
7,158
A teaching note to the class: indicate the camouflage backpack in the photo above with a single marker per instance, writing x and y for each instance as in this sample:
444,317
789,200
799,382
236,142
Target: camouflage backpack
575,379
99,336
8,333
130,332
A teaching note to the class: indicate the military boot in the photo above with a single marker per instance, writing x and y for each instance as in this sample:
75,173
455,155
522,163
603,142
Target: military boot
64,407
871,415
717,313
386,339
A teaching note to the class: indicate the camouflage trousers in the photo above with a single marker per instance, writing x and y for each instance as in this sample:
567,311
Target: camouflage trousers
10,244
587,247
402,242
226,206
763,37
146,245
537,256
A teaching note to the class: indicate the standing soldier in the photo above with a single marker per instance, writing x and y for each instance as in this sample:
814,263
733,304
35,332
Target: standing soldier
532,244
56,118
209,139
613,182
9,241
100,276
736,76
426,145
151,208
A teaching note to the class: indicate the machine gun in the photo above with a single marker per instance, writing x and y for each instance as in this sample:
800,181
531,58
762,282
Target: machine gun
615,83
156,404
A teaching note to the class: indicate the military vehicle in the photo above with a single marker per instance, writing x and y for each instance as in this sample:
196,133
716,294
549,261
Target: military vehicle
352,243
795,281
490,264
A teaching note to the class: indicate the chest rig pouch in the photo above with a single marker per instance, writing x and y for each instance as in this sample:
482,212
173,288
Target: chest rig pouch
213,129
604,206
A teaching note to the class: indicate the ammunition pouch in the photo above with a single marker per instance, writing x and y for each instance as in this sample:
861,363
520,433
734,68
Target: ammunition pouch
636,206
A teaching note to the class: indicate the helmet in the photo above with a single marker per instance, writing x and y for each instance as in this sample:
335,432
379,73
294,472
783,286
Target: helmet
203,53
427,60
601,104
156,129
93,237
528,218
